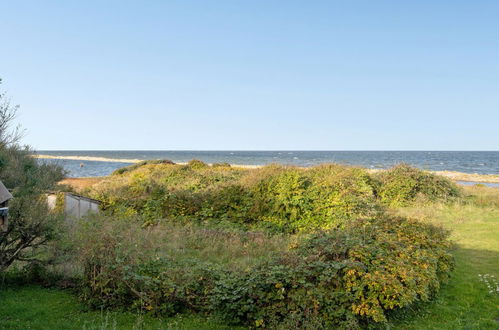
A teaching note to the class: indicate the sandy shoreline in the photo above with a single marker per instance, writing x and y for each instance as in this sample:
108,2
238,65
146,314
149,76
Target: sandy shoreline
456,176
469,177
88,158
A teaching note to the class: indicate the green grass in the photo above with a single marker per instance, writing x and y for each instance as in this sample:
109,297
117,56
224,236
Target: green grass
463,303
34,307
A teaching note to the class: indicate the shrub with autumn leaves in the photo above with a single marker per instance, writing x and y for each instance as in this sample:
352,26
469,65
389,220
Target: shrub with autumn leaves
403,184
314,248
338,278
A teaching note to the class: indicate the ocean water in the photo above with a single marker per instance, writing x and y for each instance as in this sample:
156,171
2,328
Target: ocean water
481,162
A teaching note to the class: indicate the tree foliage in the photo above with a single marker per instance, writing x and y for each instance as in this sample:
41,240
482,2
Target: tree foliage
31,226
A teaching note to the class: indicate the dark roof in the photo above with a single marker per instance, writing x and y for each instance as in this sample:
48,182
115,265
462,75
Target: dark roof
75,196
5,195
83,197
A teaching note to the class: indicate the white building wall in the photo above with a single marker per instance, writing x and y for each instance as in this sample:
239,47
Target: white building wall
72,206
79,207
51,201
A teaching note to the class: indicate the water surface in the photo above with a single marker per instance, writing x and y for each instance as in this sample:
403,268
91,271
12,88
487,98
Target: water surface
481,162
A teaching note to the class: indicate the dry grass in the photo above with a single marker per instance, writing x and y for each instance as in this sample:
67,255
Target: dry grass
81,184
235,250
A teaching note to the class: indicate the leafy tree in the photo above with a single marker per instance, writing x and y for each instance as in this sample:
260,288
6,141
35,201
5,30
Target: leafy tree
31,226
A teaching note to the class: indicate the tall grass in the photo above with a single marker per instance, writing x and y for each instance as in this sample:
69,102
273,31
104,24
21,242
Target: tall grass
234,250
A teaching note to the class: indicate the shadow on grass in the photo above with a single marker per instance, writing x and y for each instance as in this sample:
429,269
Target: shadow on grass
36,307
463,303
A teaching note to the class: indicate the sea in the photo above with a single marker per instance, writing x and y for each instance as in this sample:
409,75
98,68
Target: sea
480,162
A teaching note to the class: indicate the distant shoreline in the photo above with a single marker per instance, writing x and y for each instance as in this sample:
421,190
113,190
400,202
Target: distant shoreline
89,158
119,160
453,175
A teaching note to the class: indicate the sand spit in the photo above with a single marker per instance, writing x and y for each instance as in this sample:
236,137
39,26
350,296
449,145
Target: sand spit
459,176
91,159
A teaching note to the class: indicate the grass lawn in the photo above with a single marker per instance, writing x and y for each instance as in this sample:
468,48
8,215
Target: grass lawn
463,303
34,307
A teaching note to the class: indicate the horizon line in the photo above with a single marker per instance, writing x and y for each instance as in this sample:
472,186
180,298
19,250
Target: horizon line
270,150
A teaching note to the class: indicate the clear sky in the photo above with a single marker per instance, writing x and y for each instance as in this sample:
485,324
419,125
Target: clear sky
254,75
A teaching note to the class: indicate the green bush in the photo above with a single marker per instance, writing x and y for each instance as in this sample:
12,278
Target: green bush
338,278
220,165
278,198
163,286
126,264
142,163
404,184
357,263
394,262
230,203
341,278
287,288
197,164
161,191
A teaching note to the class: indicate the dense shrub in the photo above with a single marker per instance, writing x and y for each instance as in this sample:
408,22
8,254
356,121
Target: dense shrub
220,165
142,163
229,203
356,264
404,184
395,261
278,198
197,164
293,199
338,278
287,289
141,261
162,191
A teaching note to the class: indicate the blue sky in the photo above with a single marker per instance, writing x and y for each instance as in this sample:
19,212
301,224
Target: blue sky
254,75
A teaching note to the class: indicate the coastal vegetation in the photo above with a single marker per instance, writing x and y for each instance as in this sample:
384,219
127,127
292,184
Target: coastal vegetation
342,277
378,262
403,184
276,246
464,302
274,198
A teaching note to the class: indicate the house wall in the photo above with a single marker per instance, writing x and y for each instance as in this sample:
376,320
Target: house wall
51,201
85,206
4,219
77,207
71,206
4,223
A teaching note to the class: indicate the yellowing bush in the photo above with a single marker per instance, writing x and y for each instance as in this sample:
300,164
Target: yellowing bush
404,184
341,278
277,198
